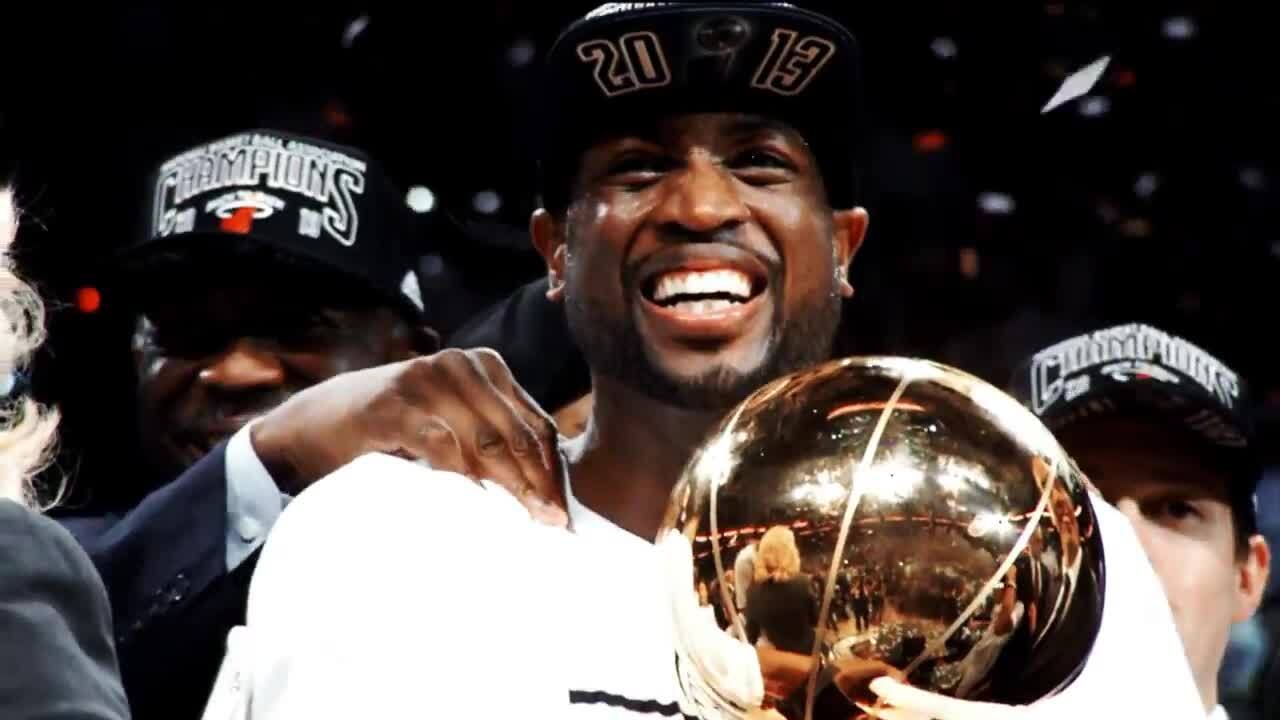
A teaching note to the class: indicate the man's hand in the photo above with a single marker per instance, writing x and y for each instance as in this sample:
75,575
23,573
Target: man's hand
903,702
459,410
854,675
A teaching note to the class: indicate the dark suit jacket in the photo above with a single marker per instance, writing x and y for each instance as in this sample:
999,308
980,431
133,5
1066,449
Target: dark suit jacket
164,566
532,335
57,660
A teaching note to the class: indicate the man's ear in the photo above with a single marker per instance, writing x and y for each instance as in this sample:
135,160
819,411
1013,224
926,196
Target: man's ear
142,331
1253,572
850,228
547,234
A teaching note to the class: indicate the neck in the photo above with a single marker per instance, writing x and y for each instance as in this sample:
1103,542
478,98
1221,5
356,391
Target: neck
631,455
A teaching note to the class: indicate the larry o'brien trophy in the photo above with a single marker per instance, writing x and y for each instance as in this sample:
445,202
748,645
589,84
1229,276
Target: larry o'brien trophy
902,518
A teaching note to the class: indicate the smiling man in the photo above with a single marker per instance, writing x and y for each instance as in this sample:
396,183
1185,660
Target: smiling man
268,263
271,263
700,216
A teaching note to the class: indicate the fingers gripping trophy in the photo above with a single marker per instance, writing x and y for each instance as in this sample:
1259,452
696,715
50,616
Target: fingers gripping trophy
912,521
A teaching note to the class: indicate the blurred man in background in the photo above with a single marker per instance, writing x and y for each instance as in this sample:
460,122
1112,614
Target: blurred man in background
280,334
270,263
1160,427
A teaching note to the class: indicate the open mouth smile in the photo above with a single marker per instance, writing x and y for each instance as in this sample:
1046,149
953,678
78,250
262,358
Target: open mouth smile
705,292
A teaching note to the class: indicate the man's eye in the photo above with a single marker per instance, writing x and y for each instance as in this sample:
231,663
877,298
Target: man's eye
177,343
762,167
307,328
1180,509
639,164
762,159
1174,510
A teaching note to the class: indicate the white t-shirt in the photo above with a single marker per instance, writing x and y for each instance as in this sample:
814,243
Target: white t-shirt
391,590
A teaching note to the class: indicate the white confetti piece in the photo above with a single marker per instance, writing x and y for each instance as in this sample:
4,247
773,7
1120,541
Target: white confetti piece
1078,83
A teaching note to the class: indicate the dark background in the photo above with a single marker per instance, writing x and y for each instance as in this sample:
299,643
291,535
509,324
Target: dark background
1162,207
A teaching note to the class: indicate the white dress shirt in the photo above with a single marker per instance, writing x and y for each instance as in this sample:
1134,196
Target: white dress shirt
253,500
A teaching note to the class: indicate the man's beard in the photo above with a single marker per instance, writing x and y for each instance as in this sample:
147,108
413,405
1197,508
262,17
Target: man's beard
614,348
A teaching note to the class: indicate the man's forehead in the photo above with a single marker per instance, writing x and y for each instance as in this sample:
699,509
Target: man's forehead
1141,472
700,127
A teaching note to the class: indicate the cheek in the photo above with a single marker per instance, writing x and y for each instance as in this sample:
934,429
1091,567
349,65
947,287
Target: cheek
1194,576
601,233
803,241
165,384
313,368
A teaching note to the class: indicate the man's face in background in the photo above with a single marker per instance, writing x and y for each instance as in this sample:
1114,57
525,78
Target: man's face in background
212,356
1178,502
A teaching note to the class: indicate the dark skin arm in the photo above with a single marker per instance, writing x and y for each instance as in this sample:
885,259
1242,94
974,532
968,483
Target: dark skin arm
459,410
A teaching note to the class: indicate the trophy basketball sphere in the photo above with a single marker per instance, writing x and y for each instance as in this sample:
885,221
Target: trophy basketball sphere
873,516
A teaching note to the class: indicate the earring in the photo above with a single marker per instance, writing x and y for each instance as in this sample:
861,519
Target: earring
845,288
555,288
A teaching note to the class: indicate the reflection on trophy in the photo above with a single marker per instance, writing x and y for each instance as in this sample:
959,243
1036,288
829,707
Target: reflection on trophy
878,516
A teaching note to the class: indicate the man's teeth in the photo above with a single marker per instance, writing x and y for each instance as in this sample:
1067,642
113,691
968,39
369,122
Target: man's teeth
703,307
709,282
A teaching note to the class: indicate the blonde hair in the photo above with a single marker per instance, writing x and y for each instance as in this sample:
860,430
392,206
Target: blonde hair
27,429
777,557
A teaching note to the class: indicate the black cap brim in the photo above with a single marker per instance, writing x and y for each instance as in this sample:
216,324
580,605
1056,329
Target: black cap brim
1140,371
150,272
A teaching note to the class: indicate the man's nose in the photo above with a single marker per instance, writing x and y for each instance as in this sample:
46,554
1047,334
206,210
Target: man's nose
702,198
243,366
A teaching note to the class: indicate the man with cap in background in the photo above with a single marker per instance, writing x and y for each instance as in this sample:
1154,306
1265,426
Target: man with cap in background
1161,428
270,263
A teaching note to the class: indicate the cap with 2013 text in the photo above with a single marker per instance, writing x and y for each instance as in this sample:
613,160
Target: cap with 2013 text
624,61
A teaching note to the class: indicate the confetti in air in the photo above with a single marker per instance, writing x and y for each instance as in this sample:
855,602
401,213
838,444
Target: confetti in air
1078,83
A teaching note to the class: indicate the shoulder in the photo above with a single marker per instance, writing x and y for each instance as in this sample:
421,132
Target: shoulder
378,493
425,549
367,524
33,543
55,621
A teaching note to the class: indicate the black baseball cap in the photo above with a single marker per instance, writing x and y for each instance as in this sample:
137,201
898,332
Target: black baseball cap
626,62
1139,370
273,199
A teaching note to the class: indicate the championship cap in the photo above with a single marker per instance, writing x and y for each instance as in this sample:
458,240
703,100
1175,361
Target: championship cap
283,200
627,62
1142,371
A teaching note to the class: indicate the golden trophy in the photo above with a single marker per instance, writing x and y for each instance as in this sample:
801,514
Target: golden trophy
878,516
